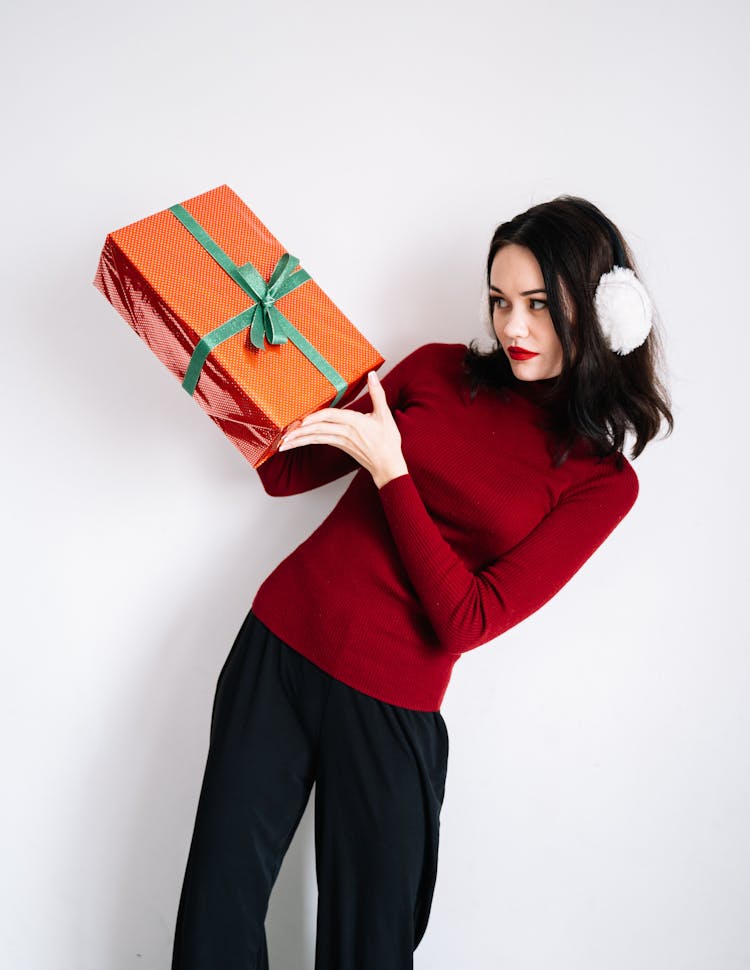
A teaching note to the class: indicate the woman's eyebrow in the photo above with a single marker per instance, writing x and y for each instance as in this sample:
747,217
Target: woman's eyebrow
525,292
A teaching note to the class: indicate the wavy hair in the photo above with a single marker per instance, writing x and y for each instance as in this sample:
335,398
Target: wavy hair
599,395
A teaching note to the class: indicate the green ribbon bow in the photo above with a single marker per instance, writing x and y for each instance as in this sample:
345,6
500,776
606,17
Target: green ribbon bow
265,320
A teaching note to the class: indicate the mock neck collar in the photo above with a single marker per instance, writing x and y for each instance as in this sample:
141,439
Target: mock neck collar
532,391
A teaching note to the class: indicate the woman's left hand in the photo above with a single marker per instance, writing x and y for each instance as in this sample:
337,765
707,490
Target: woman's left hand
372,439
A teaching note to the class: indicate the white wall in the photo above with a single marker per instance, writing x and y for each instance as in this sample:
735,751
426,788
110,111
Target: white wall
598,787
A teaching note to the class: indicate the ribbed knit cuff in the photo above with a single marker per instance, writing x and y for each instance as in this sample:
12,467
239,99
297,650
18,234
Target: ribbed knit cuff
399,495
413,531
441,579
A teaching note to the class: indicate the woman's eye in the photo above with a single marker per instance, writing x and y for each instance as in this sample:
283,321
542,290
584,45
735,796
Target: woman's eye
497,301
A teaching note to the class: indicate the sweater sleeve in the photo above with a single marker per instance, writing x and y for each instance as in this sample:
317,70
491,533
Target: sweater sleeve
309,466
467,609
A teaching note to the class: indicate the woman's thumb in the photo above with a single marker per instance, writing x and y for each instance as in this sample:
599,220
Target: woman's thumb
376,390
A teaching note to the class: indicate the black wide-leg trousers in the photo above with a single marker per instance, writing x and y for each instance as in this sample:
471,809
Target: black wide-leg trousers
279,724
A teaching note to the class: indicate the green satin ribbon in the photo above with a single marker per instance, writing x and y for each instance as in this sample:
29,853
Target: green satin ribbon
265,320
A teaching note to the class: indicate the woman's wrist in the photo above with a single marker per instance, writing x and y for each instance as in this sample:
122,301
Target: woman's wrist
395,471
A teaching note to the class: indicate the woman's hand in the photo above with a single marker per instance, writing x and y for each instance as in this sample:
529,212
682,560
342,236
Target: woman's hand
372,439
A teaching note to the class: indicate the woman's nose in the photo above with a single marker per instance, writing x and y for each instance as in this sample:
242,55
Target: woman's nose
515,326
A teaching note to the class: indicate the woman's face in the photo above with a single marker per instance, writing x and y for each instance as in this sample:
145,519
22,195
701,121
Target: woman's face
520,316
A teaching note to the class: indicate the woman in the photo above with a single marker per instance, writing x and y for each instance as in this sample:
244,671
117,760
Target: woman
484,482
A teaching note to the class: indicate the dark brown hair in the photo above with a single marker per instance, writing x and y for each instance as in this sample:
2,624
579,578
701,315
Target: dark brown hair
599,394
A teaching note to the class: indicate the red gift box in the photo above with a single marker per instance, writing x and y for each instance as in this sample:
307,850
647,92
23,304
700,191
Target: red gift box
229,312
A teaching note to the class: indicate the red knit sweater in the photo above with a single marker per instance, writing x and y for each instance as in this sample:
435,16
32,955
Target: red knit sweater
399,582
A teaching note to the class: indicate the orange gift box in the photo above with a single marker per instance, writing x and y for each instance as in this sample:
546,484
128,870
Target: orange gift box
228,311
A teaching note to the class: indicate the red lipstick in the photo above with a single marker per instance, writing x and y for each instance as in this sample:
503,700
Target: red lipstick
519,353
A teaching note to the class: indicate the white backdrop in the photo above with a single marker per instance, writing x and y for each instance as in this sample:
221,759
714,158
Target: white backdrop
598,785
